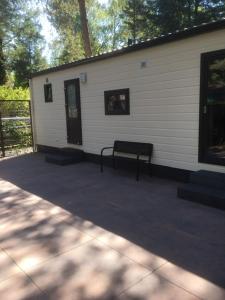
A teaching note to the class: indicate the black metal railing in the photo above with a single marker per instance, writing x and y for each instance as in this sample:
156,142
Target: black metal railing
15,127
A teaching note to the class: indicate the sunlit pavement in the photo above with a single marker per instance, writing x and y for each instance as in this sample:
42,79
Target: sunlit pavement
74,233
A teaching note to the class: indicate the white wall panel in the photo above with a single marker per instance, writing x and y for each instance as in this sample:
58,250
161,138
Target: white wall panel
164,101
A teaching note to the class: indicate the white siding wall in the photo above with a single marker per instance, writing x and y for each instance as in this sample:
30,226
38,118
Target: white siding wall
164,101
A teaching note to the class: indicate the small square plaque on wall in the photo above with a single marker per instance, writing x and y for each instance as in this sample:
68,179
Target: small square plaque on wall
117,102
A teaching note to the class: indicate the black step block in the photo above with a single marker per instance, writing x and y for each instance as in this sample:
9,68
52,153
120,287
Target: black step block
62,160
208,178
72,152
202,194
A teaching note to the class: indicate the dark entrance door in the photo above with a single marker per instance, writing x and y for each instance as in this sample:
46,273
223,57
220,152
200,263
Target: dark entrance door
212,108
73,111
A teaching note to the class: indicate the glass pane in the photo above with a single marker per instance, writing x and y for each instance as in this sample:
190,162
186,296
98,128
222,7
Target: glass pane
216,123
216,81
48,92
72,103
117,102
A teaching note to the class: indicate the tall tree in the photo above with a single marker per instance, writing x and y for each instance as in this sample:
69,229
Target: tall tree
167,15
26,54
84,26
107,29
171,15
65,17
116,26
133,15
3,77
111,25
7,12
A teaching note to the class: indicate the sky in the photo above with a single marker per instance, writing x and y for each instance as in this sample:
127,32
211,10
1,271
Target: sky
49,32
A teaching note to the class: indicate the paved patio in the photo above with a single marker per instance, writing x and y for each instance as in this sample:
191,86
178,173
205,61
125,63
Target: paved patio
74,233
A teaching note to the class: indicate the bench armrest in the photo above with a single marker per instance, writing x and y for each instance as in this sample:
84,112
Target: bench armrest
101,157
103,149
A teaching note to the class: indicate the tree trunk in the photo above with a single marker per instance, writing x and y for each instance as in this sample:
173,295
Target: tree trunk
134,22
84,26
196,11
189,13
114,33
2,64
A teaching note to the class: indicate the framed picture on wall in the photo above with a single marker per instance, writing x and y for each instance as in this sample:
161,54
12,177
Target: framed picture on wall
117,102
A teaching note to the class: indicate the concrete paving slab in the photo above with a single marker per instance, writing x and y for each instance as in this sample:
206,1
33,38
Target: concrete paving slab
35,237
154,287
134,252
91,271
20,287
191,282
7,266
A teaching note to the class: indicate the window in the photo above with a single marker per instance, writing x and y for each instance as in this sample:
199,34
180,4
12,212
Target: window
212,108
48,92
117,102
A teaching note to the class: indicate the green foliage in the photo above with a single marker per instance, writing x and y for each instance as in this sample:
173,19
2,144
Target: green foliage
147,18
171,15
106,26
8,93
134,18
3,77
64,15
17,134
25,55
15,118
8,13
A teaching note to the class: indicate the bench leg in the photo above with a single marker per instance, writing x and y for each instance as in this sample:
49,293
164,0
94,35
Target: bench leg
114,160
101,164
149,169
138,168
114,163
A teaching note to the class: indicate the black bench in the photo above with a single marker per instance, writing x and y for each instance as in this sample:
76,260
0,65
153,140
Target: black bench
135,148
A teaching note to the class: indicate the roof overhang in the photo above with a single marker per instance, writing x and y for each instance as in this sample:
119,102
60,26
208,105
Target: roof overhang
163,39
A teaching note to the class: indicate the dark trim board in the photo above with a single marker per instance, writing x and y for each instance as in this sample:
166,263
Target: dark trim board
47,149
170,37
157,170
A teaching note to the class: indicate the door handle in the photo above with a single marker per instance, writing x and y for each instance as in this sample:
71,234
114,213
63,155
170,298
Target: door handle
204,109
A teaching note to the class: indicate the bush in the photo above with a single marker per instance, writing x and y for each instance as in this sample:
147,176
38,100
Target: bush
15,117
8,93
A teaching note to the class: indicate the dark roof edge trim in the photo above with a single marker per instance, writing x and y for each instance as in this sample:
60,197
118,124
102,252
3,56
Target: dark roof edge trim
179,35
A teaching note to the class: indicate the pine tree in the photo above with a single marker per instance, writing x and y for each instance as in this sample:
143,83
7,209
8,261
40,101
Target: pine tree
26,54
134,18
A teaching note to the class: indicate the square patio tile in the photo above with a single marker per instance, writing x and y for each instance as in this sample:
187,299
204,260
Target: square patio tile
92,271
27,213
16,202
30,243
134,252
7,266
154,287
122,245
192,282
20,287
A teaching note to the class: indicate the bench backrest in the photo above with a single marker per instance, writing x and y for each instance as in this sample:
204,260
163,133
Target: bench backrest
133,148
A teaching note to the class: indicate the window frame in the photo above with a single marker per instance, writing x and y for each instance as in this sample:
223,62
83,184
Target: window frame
205,58
116,93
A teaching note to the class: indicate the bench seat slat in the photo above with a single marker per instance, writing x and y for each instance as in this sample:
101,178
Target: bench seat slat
133,148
